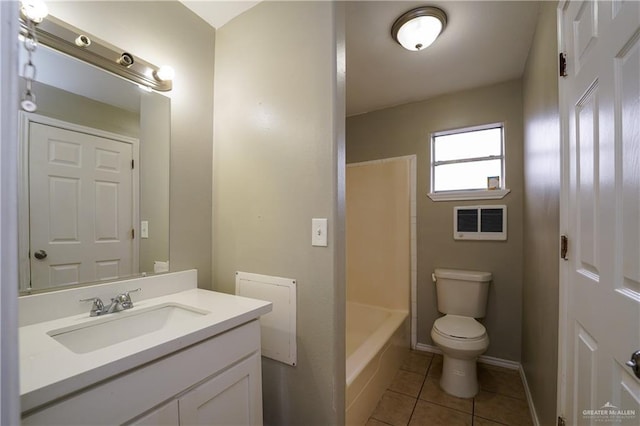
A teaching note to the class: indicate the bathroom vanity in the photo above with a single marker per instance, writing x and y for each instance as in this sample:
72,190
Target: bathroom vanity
180,355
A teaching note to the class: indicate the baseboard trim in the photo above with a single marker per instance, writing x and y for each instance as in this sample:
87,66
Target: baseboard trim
532,407
498,362
490,360
428,348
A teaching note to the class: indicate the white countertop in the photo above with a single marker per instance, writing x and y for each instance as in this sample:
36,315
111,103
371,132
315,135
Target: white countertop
48,370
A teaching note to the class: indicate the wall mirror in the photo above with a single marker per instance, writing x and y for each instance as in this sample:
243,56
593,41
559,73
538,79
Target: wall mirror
94,187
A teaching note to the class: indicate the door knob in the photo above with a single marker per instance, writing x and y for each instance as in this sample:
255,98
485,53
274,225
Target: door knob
634,363
40,254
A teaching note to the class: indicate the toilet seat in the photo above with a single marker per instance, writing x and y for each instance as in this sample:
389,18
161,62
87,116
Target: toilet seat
459,328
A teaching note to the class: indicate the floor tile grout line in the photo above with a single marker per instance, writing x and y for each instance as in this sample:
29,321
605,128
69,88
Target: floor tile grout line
400,393
424,380
403,368
403,394
491,420
378,420
446,406
426,377
473,409
502,394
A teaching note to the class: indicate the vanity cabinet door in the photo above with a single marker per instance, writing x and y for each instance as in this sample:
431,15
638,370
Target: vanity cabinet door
233,397
166,415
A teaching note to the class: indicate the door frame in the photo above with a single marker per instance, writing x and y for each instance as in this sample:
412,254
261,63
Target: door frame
9,100
563,300
24,236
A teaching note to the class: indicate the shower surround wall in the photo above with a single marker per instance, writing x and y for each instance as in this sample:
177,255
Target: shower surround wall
379,270
405,130
379,234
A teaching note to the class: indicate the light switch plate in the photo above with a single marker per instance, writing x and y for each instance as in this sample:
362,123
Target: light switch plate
144,229
319,232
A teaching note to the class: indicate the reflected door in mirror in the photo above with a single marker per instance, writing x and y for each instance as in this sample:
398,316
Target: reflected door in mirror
81,207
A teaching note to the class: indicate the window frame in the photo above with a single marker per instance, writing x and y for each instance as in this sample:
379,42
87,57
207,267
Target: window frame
469,194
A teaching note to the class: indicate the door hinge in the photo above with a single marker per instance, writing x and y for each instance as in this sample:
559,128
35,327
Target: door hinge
564,246
133,234
132,164
562,64
562,421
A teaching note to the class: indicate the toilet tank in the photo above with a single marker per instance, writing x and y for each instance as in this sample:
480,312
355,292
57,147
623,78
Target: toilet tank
462,292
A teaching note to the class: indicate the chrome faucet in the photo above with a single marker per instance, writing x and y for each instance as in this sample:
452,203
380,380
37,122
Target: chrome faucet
119,303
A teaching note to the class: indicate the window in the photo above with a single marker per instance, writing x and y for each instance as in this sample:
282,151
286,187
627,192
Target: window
468,163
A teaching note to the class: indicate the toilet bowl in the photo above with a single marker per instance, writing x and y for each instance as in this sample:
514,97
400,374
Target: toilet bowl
462,297
462,340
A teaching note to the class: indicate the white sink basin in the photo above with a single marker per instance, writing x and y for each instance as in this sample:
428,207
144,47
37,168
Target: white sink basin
120,326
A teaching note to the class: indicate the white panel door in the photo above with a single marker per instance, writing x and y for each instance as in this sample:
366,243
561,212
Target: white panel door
601,96
81,207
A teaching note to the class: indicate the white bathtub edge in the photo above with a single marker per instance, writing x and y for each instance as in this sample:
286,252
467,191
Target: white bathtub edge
367,351
375,376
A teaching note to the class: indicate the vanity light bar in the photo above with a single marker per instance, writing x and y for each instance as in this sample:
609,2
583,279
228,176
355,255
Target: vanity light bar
68,39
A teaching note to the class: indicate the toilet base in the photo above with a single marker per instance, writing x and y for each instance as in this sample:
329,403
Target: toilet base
459,377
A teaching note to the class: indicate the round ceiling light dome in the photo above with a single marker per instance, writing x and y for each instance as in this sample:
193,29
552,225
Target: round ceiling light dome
418,28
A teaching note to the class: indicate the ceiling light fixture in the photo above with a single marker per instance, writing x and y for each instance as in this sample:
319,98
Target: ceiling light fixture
418,28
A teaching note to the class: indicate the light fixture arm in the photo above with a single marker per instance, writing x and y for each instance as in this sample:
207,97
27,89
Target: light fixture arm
68,39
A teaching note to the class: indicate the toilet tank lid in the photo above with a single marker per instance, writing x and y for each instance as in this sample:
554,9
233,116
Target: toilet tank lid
456,274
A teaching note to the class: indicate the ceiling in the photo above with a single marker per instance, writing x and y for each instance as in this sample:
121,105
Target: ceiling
218,12
485,42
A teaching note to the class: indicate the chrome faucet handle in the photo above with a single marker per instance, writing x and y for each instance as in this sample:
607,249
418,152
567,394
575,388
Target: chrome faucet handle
125,299
97,308
132,291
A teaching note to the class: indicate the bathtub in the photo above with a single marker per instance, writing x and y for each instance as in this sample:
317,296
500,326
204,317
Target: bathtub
377,341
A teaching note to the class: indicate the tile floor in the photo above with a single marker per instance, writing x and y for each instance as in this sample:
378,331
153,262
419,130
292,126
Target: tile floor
415,398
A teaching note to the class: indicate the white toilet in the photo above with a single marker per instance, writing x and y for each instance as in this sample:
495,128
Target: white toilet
462,297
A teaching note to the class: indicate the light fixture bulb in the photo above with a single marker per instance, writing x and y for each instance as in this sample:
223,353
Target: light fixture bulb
165,73
34,10
419,28
419,33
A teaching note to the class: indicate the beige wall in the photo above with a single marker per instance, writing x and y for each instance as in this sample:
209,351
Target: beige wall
155,158
278,163
541,217
379,234
166,32
405,130
66,106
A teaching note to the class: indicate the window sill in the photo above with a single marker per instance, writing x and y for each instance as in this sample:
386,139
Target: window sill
480,194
